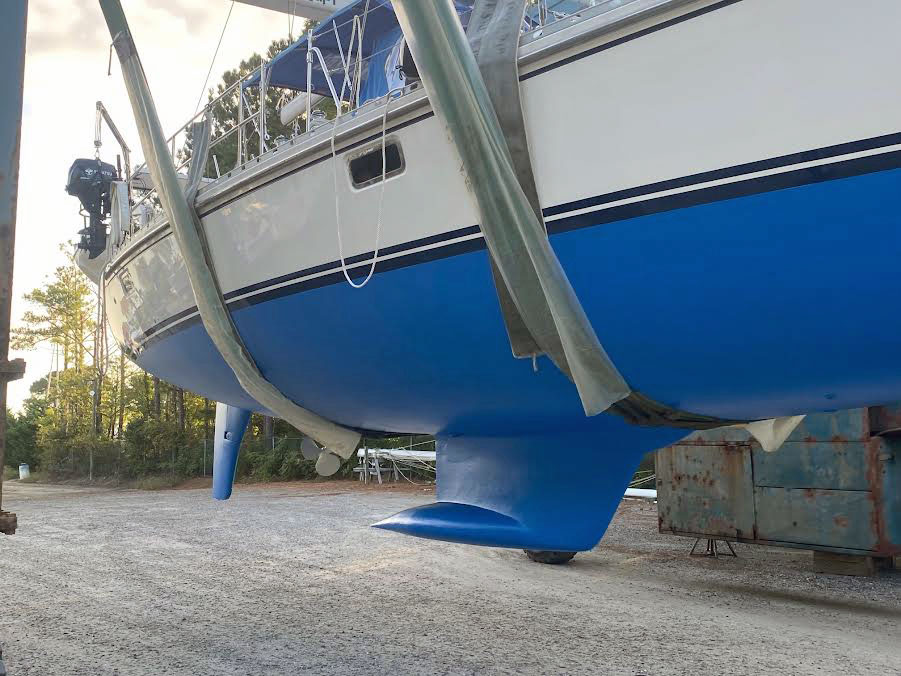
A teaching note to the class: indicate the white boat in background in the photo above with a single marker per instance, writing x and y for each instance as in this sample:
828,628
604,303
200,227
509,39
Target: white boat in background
719,180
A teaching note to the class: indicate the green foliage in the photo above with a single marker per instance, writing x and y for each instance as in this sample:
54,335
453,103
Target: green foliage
260,460
21,438
69,457
156,483
152,446
225,114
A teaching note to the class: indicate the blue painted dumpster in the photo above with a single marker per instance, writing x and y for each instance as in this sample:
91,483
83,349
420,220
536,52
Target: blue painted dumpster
834,486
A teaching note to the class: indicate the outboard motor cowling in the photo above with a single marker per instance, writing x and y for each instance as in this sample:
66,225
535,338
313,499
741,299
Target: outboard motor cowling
89,181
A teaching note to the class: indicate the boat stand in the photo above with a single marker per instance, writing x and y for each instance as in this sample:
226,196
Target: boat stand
712,548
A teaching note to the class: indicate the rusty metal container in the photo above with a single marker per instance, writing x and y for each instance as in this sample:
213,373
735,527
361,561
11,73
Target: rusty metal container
834,486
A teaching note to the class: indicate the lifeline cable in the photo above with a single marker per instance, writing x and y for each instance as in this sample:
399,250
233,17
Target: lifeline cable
215,54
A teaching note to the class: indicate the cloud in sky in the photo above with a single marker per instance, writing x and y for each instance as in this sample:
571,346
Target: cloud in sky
67,52
77,25
61,27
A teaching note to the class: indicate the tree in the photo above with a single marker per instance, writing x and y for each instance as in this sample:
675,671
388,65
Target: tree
225,114
22,429
62,316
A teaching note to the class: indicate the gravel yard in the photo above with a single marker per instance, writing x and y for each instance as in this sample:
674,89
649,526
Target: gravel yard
288,578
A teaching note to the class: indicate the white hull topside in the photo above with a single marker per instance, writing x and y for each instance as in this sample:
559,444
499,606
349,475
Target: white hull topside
740,83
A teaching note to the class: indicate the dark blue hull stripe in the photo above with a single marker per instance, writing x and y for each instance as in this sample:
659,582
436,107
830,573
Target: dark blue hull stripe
438,250
818,154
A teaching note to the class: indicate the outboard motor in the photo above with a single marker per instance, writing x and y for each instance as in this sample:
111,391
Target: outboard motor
89,181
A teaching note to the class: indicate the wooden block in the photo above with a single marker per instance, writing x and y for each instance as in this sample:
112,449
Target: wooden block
8,523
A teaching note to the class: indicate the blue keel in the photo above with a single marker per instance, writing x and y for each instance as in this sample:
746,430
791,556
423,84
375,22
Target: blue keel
231,423
548,492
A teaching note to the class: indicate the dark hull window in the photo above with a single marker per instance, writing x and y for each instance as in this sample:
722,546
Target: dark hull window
367,169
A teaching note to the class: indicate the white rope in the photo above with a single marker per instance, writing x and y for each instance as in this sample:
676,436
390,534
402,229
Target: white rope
378,229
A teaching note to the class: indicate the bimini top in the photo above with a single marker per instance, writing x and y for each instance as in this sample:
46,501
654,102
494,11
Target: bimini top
382,51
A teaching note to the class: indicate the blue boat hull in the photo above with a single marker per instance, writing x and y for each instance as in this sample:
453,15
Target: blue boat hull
766,305
744,301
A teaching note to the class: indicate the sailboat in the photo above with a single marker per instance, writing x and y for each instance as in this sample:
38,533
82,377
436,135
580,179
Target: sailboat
554,251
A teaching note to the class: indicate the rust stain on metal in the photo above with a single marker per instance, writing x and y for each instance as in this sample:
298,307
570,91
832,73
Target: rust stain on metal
829,488
874,478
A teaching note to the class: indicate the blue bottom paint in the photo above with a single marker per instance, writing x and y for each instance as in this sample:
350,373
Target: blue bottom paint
753,307
231,423
549,492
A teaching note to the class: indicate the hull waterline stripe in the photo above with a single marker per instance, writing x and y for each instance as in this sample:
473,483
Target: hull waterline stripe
449,244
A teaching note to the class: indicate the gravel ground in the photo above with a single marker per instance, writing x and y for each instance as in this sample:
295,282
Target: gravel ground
287,579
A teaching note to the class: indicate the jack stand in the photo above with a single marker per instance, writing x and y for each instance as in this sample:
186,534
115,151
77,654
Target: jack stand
712,549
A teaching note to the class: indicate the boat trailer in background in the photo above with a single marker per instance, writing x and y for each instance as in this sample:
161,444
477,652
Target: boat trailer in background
834,487
13,14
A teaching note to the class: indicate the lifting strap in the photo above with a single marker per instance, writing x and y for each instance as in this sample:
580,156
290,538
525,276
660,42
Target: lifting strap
191,239
513,230
473,84
493,32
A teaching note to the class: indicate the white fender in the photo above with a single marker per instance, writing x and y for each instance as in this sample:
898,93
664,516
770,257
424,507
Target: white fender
120,214
297,107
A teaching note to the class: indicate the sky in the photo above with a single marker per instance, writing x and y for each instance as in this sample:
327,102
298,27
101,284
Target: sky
67,55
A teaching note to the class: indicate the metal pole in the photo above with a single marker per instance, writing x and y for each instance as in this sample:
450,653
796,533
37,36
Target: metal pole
103,113
309,77
262,106
13,16
240,128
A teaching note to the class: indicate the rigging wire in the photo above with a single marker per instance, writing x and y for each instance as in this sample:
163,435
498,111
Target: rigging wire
215,54
291,11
